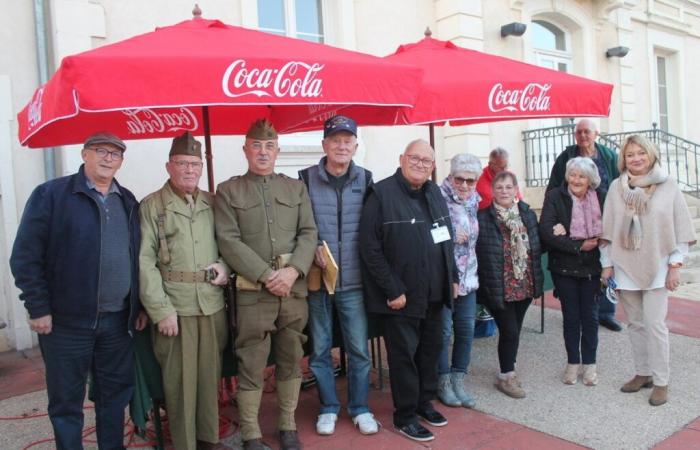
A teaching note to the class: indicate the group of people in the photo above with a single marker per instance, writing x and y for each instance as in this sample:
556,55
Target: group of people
93,267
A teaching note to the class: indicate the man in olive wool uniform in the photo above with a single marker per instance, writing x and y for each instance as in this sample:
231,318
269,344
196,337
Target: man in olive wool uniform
181,277
266,233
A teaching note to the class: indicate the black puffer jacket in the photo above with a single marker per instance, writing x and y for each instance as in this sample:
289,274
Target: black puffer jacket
393,257
565,255
489,256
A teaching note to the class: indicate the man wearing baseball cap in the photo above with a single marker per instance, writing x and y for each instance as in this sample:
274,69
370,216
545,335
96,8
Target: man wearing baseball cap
75,259
337,187
182,276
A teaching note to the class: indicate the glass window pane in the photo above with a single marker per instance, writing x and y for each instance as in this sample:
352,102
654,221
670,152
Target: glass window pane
542,38
661,69
547,36
271,16
562,67
308,16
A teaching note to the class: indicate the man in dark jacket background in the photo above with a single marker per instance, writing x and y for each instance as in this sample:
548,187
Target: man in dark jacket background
605,160
409,274
75,259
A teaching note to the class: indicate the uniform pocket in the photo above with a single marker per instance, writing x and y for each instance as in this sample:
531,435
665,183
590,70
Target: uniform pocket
250,214
287,210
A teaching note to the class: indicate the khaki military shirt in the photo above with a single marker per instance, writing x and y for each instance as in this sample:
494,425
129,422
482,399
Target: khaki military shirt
192,245
261,217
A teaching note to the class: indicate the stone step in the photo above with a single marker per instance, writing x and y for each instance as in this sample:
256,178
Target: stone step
690,275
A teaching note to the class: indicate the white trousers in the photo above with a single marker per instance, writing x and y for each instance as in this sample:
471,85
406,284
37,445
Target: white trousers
646,312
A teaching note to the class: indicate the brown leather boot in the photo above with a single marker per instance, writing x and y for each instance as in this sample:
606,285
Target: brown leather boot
204,445
289,440
637,383
659,395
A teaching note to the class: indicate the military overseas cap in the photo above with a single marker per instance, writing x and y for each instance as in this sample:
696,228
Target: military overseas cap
186,145
104,137
262,130
339,123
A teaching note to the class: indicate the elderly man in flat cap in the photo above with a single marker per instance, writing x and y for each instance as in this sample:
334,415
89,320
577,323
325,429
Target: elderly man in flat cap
75,261
266,233
181,288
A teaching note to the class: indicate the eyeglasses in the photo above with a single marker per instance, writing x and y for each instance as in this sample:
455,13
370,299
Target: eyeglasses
102,152
460,181
185,164
415,160
270,146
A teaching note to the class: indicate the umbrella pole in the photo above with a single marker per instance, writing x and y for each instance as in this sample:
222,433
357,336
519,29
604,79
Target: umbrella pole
431,130
207,146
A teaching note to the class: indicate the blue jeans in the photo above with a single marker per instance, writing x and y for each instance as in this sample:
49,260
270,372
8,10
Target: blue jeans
350,308
462,316
106,353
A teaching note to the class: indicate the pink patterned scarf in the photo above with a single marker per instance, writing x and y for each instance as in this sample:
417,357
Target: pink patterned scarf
586,220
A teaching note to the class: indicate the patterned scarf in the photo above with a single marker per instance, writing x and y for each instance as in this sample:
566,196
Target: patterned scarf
586,220
636,192
519,241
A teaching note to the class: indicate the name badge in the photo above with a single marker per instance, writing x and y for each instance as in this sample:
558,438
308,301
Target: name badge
440,234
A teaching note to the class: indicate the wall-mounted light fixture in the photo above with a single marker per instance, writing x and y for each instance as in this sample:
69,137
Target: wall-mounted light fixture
617,52
513,29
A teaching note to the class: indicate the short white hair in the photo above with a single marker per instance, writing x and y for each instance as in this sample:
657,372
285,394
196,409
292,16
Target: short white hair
464,162
591,124
586,167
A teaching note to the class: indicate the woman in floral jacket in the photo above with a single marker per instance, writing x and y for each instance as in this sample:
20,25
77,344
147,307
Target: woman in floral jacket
459,191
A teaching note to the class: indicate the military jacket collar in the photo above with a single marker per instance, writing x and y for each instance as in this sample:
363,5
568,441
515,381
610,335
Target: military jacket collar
173,202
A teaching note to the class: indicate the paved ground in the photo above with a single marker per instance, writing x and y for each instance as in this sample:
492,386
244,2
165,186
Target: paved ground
553,416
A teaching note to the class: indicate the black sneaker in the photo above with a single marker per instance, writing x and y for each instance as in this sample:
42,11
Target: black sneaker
415,431
433,418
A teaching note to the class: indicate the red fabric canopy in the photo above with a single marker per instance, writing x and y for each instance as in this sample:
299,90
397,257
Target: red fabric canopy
462,87
154,85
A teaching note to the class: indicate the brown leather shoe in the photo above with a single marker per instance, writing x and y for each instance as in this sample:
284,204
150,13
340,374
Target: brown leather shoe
511,387
204,445
289,440
659,395
637,383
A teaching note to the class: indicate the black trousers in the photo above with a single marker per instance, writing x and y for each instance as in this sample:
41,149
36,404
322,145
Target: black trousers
413,347
579,306
509,321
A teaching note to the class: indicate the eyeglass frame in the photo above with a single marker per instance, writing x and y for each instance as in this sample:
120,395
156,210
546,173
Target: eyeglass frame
460,181
102,152
417,160
183,165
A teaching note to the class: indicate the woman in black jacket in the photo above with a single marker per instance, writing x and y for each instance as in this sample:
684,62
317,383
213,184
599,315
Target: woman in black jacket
510,274
569,228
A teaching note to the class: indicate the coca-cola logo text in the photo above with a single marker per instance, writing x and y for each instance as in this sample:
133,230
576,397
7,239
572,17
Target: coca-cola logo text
34,112
532,97
147,121
294,79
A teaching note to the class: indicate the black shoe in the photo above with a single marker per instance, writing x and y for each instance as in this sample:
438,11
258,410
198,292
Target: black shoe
611,324
433,418
289,440
415,431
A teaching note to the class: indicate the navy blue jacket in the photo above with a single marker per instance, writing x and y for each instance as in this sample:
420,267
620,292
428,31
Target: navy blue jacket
56,255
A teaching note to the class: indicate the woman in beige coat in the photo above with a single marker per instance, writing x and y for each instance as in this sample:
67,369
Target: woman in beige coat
647,230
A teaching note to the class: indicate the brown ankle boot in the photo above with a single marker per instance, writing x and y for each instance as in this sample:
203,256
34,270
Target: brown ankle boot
289,440
659,395
637,383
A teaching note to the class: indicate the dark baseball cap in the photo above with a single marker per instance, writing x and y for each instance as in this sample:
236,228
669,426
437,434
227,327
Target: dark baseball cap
339,123
104,137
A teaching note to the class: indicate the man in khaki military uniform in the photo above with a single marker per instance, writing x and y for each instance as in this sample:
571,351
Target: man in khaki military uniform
266,233
181,276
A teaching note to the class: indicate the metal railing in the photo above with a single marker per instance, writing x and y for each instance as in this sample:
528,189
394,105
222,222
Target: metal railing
679,156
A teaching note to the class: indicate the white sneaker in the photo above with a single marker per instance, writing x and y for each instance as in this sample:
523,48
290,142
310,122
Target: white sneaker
366,423
325,424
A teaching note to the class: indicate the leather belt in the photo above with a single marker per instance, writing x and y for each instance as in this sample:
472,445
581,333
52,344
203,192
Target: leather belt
184,277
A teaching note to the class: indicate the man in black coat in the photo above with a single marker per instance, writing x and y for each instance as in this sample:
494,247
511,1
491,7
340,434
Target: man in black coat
409,273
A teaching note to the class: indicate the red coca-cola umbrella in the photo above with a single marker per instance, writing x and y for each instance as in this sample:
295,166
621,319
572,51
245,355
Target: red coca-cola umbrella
462,87
210,78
